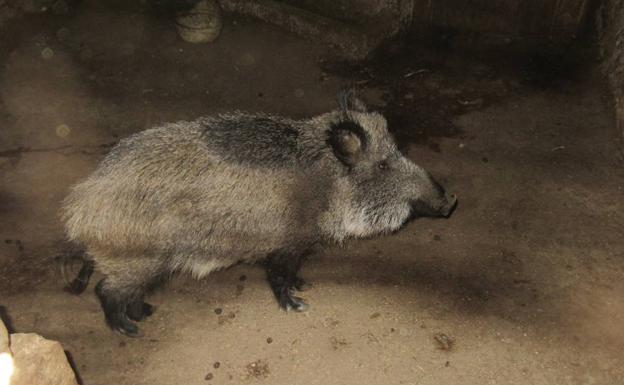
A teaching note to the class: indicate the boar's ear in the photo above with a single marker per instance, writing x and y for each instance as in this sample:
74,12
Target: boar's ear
348,101
347,140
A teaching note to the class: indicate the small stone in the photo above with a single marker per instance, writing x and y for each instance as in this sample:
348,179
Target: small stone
47,53
63,130
375,315
218,311
208,377
484,159
444,341
216,365
269,340
242,278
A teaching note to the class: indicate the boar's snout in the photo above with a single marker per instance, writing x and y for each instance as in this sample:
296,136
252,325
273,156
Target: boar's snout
439,208
449,205
434,201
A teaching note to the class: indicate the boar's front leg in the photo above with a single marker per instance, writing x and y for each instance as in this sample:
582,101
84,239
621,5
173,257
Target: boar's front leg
282,269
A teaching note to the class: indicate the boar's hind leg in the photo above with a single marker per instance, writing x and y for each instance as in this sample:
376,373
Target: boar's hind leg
123,290
115,301
282,272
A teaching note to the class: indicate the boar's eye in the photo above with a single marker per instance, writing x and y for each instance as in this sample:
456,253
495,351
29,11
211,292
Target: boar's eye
383,165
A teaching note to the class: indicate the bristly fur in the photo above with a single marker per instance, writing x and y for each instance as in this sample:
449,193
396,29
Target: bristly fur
202,195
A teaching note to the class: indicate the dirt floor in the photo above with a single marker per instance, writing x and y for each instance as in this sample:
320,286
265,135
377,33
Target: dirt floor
523,285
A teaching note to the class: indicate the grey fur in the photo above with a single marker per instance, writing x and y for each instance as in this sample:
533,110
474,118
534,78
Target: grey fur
202,195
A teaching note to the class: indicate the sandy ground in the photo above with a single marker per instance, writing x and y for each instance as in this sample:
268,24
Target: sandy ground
523,285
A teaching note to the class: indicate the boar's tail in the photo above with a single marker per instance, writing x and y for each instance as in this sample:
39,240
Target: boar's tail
67,260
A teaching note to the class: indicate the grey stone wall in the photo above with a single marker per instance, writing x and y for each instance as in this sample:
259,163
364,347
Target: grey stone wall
541,20
544,19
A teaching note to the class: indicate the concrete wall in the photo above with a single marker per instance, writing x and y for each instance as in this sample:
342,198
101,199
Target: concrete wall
610,25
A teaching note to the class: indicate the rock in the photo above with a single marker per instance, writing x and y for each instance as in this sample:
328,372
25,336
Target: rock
6,360
47,53
202,24
4,338
62,130
39,361
443,341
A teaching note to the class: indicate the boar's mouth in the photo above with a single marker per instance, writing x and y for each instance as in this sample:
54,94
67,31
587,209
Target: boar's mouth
443,208
451,204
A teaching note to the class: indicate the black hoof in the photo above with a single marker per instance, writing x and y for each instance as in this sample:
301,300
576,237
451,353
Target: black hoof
125,327
289,302
139,311
116,308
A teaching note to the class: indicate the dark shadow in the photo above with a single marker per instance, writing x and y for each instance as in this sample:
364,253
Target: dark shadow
501,285
74,367
486,286
431,78
6,319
